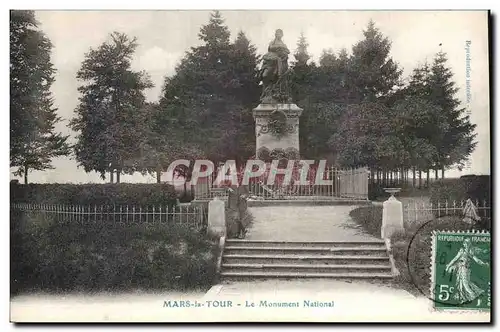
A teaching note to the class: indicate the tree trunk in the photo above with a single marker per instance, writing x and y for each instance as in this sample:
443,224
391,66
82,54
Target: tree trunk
436,173
442,173
428,178
391,174
158,174
111,177
419,179
414,180
26,174
118,173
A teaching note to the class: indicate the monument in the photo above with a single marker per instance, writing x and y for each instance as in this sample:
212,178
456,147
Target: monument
276,117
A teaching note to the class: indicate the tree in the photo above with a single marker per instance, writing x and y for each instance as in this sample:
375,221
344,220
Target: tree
335,83
33,139
366,137
212,94
304,75
416,96
328,58
374,73
457,141
301,55
318,118
153,150
418,123
109,120
245,61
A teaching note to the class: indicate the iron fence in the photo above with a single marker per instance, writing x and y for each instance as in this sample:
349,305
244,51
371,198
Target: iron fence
193,216
415,211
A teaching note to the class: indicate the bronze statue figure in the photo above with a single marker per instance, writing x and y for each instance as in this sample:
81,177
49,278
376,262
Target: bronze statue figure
274,71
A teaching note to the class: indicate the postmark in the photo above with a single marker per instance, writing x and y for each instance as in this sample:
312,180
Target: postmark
460,270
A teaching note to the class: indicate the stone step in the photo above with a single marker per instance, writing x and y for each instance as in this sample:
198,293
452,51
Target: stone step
290,244
377,251
293,275
304,259
305,268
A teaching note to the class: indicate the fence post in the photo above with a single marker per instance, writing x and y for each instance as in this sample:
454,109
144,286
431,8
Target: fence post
392,217
216,217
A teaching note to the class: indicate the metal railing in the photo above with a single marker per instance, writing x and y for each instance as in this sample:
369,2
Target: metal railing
423,211
192,216
345,184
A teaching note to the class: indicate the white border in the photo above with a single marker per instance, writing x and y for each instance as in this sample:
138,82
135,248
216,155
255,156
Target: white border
150,4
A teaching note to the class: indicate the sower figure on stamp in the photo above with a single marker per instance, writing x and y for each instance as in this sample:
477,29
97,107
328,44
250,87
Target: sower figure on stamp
466,290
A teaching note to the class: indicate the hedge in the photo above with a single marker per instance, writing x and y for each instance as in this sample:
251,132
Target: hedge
94,194
476,188
56,256
369,218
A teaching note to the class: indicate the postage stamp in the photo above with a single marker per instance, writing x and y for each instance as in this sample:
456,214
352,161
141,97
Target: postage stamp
461,275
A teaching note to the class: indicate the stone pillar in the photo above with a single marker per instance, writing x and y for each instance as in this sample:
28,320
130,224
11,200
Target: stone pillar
392,217
270,145
216,217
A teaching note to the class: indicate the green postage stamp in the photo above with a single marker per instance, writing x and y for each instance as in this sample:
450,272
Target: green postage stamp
460,270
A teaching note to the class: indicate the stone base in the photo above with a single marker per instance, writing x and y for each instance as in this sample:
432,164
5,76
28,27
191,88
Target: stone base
271,145
216,217
392,218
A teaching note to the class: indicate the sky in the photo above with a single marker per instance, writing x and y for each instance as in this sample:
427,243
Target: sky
164,36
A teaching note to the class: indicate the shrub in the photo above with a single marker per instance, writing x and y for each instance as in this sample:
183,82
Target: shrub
369,218
471,186
55,255
376,191
95,194
476,188
186,197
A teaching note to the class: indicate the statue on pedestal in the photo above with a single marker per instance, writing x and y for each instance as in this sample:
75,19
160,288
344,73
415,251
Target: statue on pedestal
274,74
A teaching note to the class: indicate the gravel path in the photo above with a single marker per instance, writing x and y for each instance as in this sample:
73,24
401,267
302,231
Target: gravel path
305,223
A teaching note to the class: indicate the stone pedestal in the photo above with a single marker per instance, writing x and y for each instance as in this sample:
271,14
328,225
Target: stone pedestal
392,217
271,144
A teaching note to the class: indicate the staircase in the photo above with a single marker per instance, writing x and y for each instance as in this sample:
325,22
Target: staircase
250,259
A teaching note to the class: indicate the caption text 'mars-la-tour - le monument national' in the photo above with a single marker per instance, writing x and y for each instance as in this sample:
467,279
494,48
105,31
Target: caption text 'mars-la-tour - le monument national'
276,117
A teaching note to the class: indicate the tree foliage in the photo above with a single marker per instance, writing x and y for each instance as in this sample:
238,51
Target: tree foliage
457,141
207,105
110,118
373,72
34,141
357,111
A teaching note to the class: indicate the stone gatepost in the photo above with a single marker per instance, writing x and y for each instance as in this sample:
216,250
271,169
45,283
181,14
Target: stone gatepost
216,217
277,131
392,215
